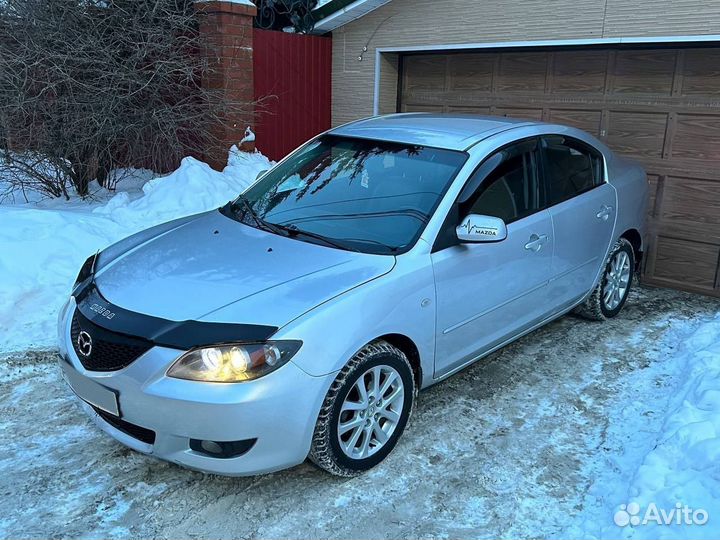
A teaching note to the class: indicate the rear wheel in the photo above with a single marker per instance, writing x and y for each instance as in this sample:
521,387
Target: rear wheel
365,411
608,298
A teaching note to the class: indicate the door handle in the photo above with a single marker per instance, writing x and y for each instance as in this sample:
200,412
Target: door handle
604,212
536,242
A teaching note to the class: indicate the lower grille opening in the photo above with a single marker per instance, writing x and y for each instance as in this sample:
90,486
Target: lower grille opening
136,432
221,449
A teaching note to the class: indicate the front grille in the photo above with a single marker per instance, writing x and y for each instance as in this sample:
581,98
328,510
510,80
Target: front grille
137,432
109,351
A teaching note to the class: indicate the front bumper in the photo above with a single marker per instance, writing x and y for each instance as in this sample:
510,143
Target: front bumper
279,410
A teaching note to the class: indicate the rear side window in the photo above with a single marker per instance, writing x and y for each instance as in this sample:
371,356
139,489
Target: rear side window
571,168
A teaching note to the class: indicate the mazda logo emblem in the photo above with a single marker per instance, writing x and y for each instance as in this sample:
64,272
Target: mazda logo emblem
84,343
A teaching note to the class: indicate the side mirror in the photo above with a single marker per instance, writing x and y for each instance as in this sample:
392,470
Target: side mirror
477,228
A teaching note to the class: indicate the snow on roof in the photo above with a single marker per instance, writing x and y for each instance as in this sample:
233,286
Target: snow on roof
346,14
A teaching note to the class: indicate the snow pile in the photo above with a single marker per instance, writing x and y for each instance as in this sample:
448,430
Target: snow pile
684,467
18,187
249,136
43,245
665,483
194,187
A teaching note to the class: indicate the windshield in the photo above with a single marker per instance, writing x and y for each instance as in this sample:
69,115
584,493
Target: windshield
361,195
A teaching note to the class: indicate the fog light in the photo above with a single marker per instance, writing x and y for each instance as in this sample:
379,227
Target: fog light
211,447
221,449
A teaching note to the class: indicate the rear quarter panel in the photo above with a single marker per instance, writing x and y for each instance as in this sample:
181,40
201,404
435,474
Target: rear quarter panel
630,181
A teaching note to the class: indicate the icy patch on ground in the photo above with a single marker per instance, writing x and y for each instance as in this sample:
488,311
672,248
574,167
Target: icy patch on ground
43,244
668,454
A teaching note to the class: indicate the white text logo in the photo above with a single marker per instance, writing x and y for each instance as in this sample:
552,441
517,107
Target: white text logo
680,514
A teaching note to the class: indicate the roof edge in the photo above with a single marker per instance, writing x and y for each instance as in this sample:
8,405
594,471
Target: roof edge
337,13
330,7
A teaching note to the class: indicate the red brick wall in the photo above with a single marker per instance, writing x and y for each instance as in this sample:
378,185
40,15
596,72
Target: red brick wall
227,29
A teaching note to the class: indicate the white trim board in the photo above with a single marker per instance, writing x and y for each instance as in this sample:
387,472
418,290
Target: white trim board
704,38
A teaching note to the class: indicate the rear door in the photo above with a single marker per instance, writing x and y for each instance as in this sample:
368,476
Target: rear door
488,292
582,207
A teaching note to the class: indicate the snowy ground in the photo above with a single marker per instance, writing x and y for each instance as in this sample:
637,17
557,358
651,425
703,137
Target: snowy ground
549,437
545,438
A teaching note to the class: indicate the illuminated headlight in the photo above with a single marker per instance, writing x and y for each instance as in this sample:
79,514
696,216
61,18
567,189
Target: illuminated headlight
233,362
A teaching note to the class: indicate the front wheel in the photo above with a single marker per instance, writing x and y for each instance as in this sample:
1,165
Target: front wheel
610,295
365,411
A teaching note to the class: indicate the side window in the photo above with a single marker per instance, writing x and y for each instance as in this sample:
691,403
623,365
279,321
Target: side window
571,168
507,184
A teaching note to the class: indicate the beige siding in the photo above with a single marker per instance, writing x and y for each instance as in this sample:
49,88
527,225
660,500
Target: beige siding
388,83
662,18
436,22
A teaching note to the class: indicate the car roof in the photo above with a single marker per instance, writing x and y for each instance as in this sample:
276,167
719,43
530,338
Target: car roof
450,131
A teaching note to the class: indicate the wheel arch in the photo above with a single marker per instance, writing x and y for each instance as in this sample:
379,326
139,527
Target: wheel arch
635,238
407,346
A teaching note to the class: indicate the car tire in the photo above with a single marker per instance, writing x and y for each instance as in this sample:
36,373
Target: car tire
365,422
610,295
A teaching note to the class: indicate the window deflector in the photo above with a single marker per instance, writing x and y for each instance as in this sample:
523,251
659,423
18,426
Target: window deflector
499,156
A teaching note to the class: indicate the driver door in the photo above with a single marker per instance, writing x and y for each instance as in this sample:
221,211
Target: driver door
488,292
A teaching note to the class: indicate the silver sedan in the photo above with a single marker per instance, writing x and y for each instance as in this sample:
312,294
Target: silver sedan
301,319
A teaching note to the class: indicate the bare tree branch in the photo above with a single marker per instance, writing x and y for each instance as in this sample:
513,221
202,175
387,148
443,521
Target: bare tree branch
87,86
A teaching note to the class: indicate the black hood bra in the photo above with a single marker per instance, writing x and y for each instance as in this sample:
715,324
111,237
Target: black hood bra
162,332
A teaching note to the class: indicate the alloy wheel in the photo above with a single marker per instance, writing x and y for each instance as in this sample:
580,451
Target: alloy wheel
617,280
371,412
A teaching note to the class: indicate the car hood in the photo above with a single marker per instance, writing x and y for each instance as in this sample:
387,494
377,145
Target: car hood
215,269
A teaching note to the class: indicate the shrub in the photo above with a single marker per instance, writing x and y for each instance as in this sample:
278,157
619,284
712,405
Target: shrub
90,85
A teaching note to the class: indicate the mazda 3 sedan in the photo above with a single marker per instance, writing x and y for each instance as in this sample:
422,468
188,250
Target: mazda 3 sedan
301,319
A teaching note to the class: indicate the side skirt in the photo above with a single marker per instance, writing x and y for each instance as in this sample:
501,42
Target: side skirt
543,322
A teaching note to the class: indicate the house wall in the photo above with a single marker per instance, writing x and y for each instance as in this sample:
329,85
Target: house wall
404,23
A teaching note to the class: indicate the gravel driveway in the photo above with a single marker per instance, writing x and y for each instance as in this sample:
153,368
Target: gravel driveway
507,448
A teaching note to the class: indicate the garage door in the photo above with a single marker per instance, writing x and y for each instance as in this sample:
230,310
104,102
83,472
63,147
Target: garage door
660,106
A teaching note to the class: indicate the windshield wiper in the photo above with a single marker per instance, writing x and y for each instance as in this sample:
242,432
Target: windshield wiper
261,223
391,249
292,230
250,210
